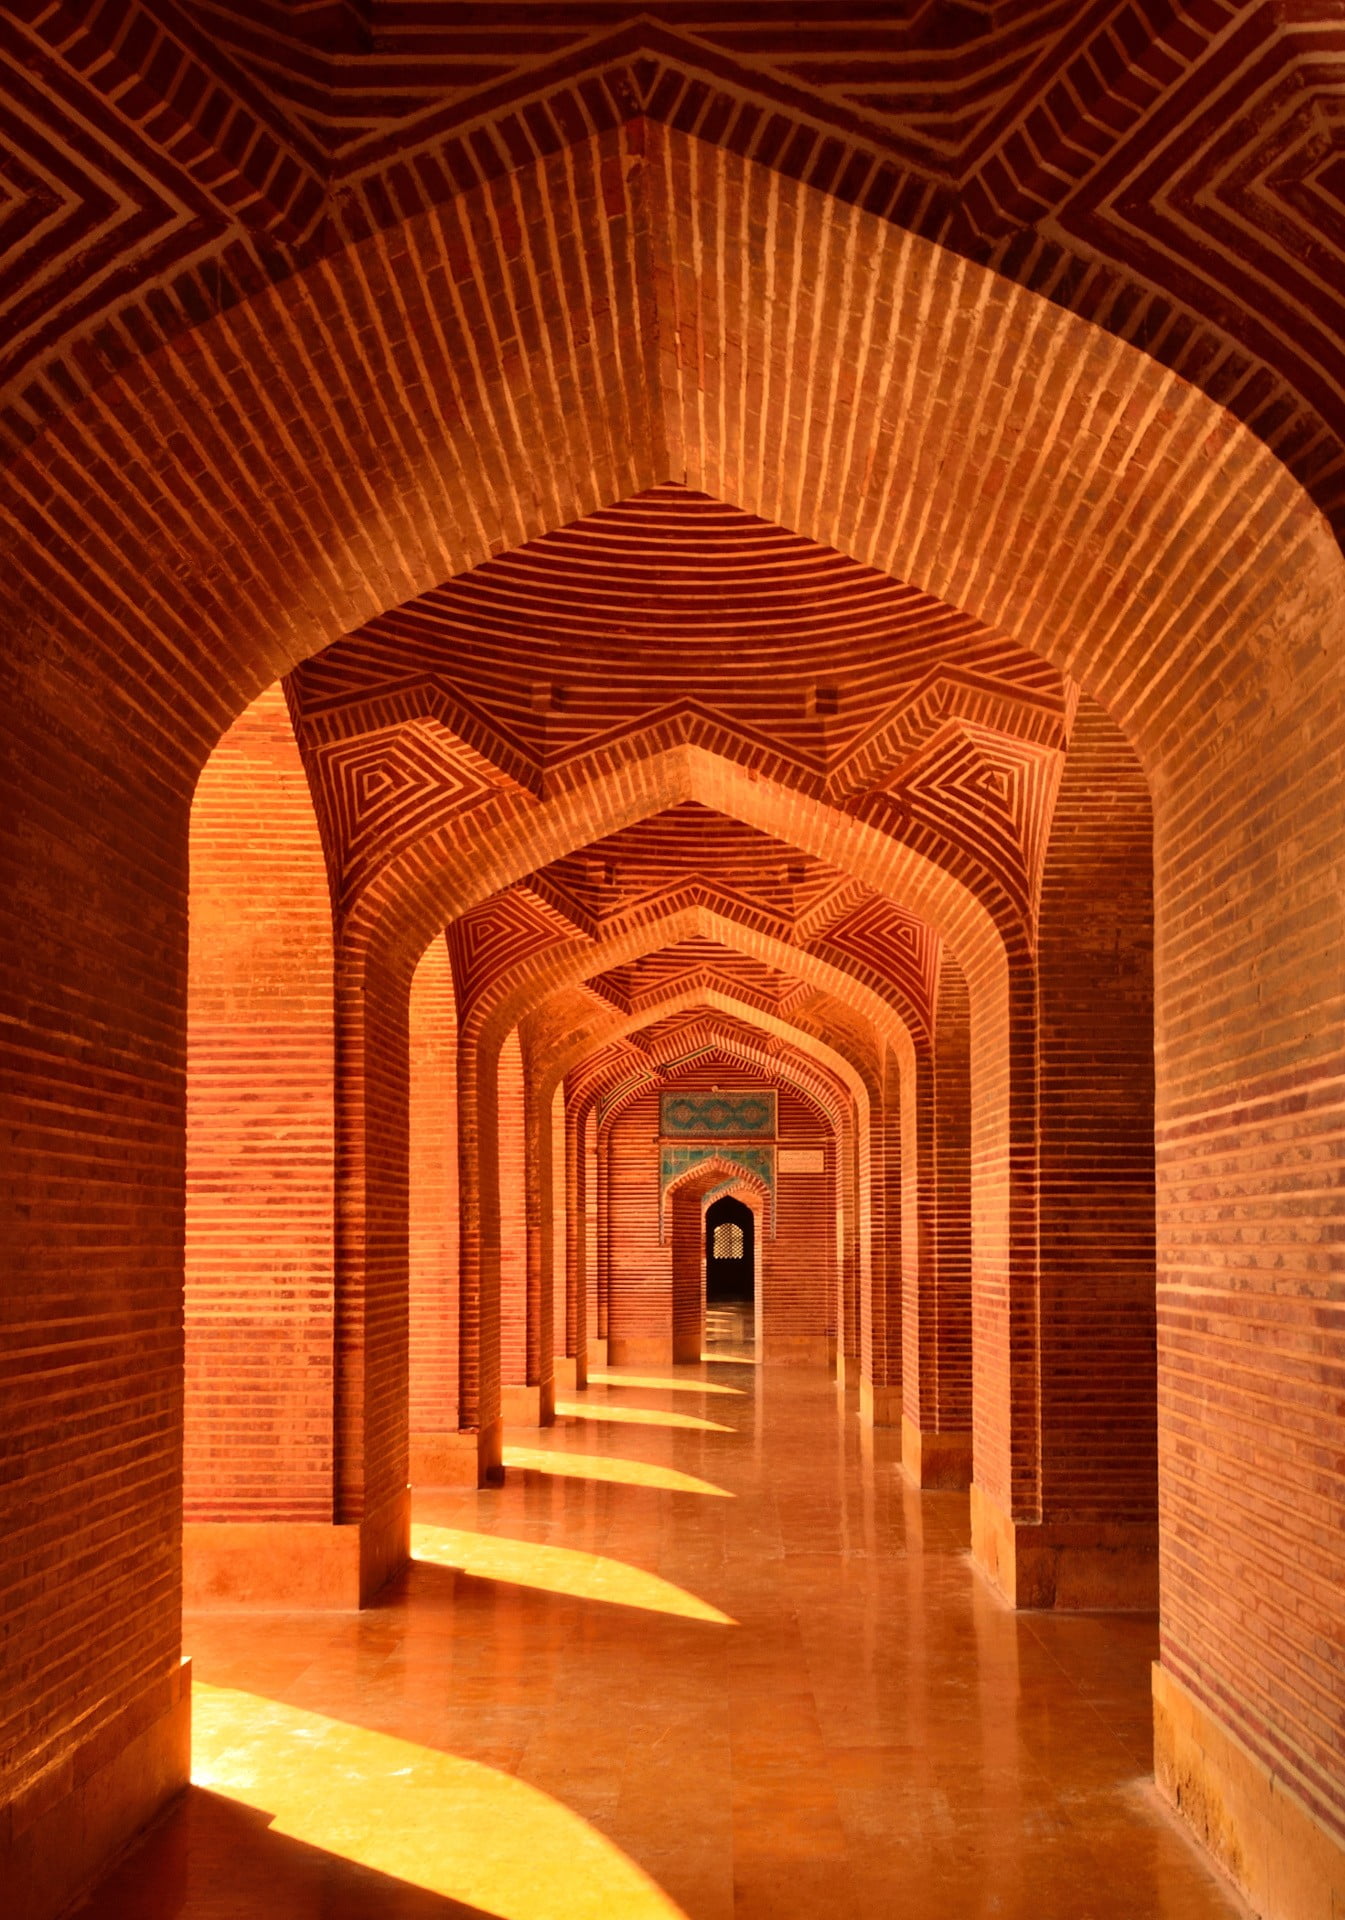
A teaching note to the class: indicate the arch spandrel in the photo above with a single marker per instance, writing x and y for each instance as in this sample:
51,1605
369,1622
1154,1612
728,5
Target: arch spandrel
1038,472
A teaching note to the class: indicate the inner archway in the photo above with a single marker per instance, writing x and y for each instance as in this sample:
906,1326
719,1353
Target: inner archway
730,1252
730,1274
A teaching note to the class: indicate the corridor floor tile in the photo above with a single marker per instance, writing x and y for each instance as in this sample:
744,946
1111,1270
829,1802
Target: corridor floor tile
776,1689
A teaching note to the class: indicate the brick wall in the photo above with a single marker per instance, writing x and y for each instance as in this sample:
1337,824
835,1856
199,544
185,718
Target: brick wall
797,1267
640,1305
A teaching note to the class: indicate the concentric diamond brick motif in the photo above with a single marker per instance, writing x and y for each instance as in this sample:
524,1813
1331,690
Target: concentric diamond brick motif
378,791
487,942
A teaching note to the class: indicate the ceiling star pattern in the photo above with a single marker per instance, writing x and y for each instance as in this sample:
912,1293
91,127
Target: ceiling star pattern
888,949
487,942
1171,173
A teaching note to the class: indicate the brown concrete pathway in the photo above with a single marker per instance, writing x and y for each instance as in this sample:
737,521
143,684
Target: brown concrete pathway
703,1655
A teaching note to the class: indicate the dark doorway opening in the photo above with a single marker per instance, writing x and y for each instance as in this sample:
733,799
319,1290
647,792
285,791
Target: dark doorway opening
730,1254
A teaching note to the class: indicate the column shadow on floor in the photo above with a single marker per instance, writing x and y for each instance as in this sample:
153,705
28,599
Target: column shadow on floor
213,1859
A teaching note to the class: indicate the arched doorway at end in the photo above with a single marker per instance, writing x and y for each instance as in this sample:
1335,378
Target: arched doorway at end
730,1273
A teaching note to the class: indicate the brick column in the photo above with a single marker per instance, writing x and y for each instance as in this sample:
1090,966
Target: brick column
564,1371
479,1255
279,1509
370,1347
576,1247
1092,1539
523,1402
538,1206
936,1420
435,1450
1099,1390
604,1231
686,1228
881,1374
598,1340
850,1291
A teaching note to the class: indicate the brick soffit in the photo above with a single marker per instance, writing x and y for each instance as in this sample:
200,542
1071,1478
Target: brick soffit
1172,173
611,639
689,1043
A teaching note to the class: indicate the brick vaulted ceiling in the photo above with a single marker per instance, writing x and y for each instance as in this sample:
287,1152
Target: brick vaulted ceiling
672,617
1173,170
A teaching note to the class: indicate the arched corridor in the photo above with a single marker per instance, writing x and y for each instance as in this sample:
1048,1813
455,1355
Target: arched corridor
620,620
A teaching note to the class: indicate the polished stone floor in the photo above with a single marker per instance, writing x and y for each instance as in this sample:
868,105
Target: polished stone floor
706,1655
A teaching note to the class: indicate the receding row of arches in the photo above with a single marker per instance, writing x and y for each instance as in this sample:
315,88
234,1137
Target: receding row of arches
925,419
507,1130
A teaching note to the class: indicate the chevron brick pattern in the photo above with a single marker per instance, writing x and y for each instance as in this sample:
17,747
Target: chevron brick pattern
1096,153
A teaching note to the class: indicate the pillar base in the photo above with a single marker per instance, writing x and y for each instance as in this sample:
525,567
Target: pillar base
1076,1566
59,1834
879,1406
599,1355
461,1457
447,1459
687,1348
571,1373
633,1353
1271,1845
385,1544
934,1460
304,1565
528,1406
490,1455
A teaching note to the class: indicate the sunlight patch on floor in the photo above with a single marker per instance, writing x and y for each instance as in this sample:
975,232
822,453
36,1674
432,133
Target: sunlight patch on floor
599,1466
562,1570
450,1826
639,1417
654,1380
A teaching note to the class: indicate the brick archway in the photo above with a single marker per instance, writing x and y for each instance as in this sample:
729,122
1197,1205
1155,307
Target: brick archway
1082,500
484,1029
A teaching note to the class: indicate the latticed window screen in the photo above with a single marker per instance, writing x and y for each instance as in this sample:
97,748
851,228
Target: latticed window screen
728,1242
